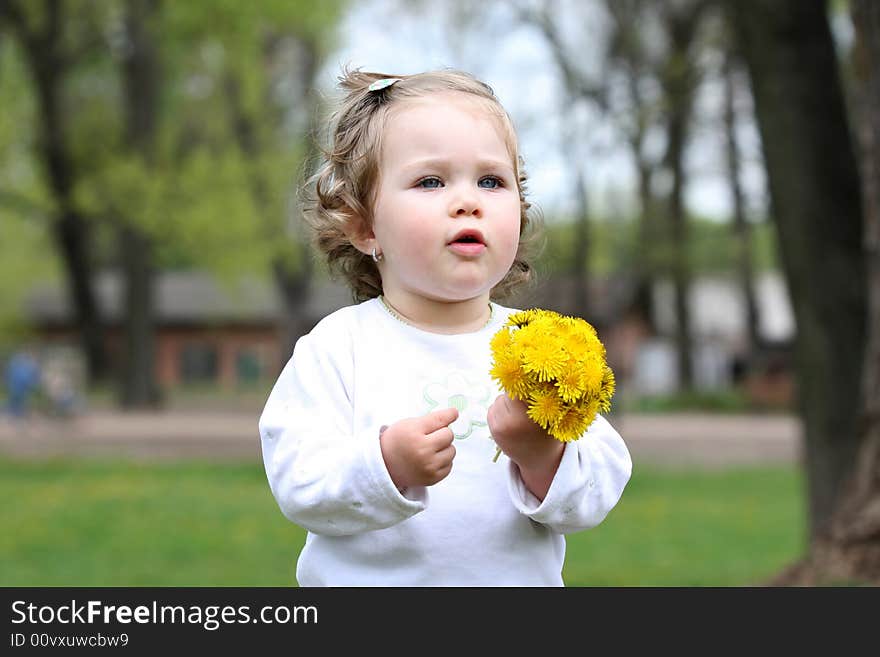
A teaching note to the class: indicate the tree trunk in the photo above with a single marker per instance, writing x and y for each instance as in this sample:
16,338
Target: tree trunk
646,260
49,64
816,203
580,263
851,552
741,228
139,387
295,286
679,84
680,265
140,77
628,52
72,235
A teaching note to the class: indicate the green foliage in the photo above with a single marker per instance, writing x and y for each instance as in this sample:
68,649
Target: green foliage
201,210
26,253
26,257
197,524
732,400
614,246
22,191
207,200
220,37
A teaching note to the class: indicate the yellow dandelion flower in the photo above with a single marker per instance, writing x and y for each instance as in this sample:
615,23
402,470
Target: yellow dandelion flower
569,325
545,361
606,391
571,383
592,369
501,341
545,408
510,375
527,337
522,318
571,425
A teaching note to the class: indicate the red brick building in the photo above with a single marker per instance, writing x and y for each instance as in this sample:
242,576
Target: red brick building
208,331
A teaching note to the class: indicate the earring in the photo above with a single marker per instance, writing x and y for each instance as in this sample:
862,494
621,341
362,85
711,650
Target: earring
377,258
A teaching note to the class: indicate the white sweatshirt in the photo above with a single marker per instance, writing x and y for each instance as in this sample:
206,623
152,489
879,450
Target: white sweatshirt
361,368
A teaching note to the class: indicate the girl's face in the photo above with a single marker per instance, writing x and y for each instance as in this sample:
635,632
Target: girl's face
447,208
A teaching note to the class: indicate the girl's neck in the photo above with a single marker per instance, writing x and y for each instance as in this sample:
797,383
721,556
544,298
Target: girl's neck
435,316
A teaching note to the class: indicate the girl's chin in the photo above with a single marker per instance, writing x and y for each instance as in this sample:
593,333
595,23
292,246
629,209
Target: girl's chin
460,295
455,289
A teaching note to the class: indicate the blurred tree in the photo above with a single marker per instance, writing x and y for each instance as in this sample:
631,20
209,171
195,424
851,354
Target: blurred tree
855,536
296,41
637,113
635,58
264,81
680,77
850,551
578,89
713,246
211,137
816,204
141,84
741,227
24,206
54,42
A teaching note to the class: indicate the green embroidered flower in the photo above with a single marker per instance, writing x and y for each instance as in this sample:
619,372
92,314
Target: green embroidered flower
470,399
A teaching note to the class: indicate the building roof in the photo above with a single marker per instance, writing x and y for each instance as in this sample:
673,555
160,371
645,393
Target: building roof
188,297
717,307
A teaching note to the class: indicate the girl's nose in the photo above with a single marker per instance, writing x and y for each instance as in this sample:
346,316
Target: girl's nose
466,205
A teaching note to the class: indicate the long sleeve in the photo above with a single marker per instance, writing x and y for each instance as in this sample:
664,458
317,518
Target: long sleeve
588,483
323,476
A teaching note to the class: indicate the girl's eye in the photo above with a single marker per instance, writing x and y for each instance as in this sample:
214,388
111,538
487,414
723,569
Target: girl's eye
430,182
490,182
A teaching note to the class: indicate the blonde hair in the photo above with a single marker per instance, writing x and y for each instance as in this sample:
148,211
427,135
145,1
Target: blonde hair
342,190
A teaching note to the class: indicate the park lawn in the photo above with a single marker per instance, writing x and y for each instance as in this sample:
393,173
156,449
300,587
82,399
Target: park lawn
101,523
694,528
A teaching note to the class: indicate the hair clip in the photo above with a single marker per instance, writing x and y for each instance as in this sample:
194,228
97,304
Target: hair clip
378,85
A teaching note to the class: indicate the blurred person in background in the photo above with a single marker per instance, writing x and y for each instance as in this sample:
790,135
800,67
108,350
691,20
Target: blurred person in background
22,379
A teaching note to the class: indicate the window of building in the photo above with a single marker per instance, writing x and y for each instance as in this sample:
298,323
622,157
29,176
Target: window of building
248,365
198,363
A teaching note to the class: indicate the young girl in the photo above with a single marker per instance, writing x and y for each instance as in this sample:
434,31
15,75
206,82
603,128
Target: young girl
379,434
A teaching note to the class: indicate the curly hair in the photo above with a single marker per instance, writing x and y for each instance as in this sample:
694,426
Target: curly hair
338,199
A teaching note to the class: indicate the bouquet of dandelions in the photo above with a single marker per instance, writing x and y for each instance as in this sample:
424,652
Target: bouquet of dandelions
556,366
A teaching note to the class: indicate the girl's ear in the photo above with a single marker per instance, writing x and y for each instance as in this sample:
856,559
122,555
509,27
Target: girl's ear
361,235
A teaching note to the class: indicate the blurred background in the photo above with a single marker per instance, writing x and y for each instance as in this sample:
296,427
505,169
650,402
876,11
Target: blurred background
706,175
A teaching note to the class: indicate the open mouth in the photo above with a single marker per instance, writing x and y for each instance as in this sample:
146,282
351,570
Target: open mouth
468,237
468,244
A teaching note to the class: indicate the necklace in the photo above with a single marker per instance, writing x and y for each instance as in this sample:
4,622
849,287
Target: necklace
399,318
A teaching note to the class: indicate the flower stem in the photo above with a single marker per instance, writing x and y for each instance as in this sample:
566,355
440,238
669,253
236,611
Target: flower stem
497,454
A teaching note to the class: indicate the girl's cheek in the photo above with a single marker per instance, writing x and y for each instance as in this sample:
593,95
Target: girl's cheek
512,235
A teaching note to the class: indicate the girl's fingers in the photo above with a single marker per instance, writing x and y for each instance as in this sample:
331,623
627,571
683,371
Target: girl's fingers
442,438
438,419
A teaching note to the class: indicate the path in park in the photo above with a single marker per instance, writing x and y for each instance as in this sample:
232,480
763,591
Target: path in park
685,439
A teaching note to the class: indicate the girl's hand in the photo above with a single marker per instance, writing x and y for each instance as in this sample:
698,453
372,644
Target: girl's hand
418,451
535,451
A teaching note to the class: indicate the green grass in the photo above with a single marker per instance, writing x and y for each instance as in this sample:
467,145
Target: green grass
720,401
731,528
122,524
727,400
94,523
